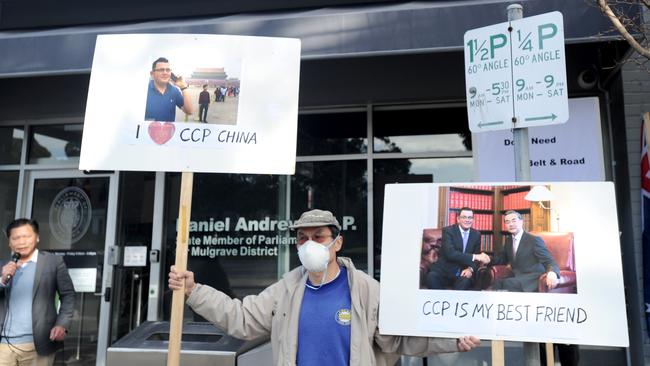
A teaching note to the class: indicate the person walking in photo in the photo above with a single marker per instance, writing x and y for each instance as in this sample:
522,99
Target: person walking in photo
204,103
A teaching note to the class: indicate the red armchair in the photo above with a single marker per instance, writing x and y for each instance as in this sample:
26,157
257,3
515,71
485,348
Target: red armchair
431,244
560,245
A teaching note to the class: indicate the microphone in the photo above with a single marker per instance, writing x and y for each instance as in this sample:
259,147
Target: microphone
14,258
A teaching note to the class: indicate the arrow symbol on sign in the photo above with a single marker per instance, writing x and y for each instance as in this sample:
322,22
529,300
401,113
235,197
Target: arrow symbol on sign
552,117
481,124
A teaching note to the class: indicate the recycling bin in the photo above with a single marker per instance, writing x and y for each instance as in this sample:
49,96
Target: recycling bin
202,344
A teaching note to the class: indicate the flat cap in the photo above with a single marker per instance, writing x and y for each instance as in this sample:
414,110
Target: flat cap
316,218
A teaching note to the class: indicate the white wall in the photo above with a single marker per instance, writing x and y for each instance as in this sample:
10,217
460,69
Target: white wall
561,207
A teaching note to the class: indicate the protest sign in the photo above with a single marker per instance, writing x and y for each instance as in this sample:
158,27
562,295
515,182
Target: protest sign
139,116
592,309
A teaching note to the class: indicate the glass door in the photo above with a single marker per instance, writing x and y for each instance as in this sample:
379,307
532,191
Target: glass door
76,213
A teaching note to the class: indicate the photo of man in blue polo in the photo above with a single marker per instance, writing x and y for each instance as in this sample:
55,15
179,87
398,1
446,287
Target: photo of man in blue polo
166,92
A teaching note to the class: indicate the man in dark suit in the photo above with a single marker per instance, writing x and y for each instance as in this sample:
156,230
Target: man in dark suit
460,250
528,257
32,280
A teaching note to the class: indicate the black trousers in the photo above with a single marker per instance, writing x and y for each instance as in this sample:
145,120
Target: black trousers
203,112
439,280
568,354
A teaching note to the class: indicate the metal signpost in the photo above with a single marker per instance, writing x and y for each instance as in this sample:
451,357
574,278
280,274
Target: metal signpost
515,74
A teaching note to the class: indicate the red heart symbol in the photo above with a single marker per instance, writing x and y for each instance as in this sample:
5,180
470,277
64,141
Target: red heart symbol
161,132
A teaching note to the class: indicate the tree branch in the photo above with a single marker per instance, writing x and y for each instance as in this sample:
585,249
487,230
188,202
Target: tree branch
604,7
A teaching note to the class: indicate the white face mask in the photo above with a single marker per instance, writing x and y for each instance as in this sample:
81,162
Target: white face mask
314,256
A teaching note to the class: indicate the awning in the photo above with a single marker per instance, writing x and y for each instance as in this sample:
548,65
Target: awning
325,33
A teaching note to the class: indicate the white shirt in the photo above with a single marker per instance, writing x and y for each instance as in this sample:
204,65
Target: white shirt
33,258
461,236
516,239
463,231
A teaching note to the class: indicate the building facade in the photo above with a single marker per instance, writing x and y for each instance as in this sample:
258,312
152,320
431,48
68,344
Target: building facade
382,100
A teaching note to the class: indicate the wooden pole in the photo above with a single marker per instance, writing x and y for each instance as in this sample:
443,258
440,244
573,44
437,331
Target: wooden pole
498,354
178,297
550,356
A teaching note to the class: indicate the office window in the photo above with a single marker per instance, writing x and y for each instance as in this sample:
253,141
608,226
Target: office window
332,133
340,187
55,144
11,142
8,193
427,130
237,228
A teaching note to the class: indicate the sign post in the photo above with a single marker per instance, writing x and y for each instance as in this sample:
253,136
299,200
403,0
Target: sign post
520,135
516,78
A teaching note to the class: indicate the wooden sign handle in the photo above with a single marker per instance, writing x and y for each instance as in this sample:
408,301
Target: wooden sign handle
178,297
550,354
498,353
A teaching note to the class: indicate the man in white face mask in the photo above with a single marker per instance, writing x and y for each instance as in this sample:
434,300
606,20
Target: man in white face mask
317,313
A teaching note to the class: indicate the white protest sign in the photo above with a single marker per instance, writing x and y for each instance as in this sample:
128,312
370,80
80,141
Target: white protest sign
572,151
516,70
594,314
252,91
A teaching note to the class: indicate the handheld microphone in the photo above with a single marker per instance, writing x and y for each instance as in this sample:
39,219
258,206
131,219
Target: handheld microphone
14,258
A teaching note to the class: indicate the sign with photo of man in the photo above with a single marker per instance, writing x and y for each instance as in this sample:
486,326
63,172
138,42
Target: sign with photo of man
501,263
192,103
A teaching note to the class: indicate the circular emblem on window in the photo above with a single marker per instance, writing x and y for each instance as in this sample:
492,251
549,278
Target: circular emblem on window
343,316
70,215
